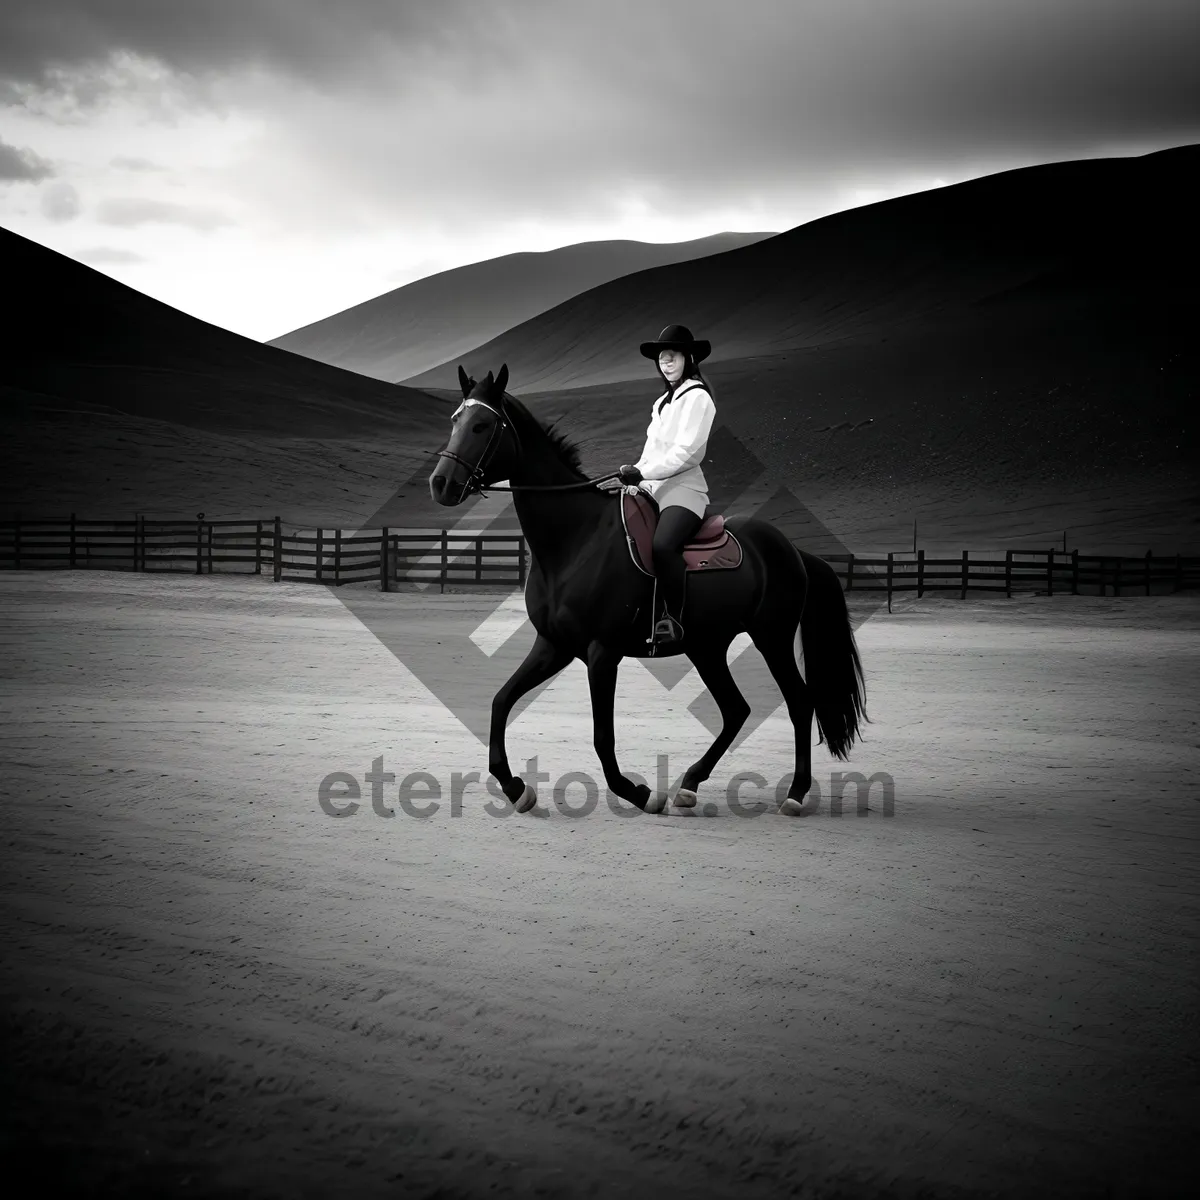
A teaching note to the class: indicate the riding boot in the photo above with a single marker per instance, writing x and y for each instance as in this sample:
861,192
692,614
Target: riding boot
668,629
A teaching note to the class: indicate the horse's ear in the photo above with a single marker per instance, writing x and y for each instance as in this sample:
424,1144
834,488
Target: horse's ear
463,381
502,379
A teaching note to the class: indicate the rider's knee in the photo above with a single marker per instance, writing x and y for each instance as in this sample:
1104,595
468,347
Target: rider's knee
664,553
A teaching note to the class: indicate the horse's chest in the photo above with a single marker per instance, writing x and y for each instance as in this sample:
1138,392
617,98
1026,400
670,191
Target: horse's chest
575,611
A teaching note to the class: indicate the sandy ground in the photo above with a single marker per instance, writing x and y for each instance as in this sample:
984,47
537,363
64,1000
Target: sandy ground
213,987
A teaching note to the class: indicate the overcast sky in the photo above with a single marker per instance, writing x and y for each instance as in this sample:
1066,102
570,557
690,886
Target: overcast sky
264,164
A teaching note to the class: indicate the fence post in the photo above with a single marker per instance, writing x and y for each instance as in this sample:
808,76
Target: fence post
337,557
320,547
889,581
850,571
920,573
965,571
1117,577
1050,571
1178,571
278,571
200,543
258,549
479,560
383,560
445,556
139,543
521,560
1008,573
210,541
17,540
1148,553
1075,571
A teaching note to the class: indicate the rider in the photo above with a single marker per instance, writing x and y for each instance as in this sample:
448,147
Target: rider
676,440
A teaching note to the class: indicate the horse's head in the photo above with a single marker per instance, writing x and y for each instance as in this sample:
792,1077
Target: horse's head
478,452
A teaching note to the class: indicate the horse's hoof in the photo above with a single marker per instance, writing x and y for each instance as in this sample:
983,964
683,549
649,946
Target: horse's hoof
656,803
685,798
526,801
791,808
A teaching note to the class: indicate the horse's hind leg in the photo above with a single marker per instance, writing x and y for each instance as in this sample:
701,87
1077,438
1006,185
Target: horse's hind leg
543,661
778,650
714,671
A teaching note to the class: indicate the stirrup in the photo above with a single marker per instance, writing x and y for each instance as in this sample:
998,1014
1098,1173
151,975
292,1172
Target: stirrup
667,629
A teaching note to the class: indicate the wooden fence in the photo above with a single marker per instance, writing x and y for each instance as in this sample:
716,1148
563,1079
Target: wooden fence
329,556
396,557
1042,571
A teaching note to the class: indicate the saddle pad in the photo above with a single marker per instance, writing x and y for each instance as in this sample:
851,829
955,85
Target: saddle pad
713,548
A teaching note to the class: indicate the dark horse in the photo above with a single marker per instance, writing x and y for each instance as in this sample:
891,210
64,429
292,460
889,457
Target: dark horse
584,594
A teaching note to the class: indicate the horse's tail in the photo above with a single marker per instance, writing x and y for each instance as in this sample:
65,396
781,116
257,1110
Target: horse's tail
832,669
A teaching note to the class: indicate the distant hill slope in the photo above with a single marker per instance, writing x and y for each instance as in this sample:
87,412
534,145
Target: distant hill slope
112,402
75,334
1006,252
426,322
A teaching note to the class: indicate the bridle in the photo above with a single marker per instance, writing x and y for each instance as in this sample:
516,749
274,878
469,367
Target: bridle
476,470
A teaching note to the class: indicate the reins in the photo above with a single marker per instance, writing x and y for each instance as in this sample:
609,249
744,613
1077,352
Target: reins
548,487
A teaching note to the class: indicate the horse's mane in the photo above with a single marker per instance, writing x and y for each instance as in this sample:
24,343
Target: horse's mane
568,451
564,447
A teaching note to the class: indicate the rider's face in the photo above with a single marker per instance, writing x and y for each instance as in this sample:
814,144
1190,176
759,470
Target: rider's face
671,362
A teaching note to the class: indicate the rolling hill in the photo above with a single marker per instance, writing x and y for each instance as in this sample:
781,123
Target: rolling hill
428,321
114,402
1004,360
1001,361
1012,250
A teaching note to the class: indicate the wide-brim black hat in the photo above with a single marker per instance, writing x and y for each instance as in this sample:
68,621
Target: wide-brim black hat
678,337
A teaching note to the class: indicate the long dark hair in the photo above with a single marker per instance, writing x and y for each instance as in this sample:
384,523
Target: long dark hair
691,370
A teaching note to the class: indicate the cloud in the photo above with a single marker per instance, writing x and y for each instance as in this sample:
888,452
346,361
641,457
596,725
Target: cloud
710,106
309,39
450,115
131,211
108,255
126,163
21,165
60,201
370,135
748,81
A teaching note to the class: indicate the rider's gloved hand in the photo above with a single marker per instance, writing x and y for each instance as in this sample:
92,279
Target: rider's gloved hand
629,474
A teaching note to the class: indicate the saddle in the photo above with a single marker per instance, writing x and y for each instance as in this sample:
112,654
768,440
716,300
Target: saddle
712,547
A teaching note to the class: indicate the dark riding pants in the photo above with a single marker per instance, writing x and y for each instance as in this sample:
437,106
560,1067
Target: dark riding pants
676,525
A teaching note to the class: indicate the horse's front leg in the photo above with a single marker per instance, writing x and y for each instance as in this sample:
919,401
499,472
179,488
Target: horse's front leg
543,661
602,664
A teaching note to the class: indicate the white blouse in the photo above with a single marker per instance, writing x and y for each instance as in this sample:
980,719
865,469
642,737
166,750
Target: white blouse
678,437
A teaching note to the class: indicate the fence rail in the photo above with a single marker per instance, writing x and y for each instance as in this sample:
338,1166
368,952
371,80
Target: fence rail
1043,571
445,558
